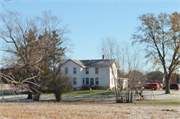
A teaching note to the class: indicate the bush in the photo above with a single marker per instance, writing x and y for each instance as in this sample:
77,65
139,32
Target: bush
59,85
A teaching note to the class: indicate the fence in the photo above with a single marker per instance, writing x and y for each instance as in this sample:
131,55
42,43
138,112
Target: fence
130,95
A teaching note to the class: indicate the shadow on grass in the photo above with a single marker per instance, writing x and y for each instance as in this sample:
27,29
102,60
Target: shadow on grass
106,93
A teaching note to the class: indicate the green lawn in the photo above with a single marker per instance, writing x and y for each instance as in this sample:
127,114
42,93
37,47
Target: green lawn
95,92
158,102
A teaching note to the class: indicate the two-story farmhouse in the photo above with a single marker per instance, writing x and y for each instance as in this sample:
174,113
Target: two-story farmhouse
102,73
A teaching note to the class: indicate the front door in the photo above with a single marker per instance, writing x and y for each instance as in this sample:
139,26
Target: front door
92,81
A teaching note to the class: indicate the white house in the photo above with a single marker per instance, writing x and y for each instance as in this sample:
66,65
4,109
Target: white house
124,82
101,73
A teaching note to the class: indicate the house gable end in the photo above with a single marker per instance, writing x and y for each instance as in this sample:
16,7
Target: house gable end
74,61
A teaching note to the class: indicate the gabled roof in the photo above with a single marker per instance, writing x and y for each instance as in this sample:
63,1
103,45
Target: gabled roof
95,63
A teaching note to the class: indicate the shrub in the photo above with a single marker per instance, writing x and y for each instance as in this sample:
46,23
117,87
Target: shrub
59,85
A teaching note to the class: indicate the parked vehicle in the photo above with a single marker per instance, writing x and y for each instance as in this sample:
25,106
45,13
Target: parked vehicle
138,86
173,86
152,86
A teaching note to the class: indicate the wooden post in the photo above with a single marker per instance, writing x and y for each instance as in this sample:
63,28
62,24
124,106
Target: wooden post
152,95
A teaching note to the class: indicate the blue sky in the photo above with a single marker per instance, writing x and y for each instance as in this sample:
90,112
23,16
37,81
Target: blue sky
91,20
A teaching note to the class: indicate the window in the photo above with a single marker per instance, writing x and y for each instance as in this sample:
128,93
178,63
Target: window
146,85
74,70
96,70
97,81
153,84
66,70
74,81
87,81
92,81
87,70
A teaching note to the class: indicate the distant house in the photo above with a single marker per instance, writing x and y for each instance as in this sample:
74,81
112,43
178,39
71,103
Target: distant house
101,73
123,82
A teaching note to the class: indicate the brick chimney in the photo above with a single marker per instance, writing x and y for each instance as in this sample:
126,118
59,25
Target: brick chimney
103,57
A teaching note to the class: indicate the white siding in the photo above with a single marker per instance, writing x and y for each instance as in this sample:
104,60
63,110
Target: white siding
70,65
104,75
113,76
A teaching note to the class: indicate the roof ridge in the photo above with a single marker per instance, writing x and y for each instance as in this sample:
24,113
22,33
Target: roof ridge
78,62
99,59
95,62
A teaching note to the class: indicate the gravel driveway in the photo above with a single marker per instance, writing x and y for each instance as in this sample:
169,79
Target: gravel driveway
160,95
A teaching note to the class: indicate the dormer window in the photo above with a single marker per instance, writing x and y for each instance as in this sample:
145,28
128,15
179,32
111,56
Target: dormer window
87,70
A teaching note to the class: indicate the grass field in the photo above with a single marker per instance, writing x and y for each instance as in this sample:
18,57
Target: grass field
158,102
91,109
85,110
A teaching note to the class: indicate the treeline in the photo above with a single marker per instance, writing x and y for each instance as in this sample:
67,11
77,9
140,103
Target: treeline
138,78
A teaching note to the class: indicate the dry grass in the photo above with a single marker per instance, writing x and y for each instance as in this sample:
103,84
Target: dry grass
55,110
172,110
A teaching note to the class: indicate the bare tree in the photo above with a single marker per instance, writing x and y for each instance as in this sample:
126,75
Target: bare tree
30,42
127,58
111,49
160,34
135,78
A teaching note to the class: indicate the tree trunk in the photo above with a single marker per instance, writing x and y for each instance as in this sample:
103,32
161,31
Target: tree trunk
131,97
167,79
127,97
29,75
29,95
58,97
